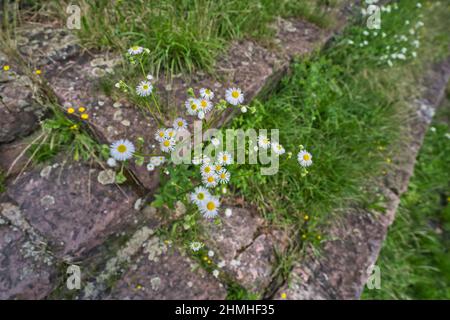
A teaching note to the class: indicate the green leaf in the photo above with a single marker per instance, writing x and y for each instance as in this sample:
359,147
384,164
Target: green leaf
120,178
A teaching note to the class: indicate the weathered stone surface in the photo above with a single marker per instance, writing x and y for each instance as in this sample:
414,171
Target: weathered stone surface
234,233
75,84
342,270
24,272
164,273
19,112
69,207
45,45
245,247
298,37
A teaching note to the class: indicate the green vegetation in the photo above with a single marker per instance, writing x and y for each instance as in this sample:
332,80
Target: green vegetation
345,105
236,292
184,35
62,134
415,259
2,182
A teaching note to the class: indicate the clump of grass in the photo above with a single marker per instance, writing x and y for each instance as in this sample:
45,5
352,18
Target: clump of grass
415,261
237,292
184,35
62,134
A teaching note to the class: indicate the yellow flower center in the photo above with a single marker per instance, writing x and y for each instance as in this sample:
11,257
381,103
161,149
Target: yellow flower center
180,123
218,167
166,143
81,109
222,175
208,92
145,87
210,179
210,206
204,104
171,133
225,158
122,148
266,141
235,94
6,68
71,110
84,116
201,196
207,170
194,106
306,157
135,48
161,134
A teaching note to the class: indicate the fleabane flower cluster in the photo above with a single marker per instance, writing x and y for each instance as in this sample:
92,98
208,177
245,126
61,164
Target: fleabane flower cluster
166,139
213,173
202,105
207,204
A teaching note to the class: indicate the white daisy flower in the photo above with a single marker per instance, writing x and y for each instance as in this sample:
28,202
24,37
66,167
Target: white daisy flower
215,273
244,109
210,207
277,148
210,253
206,159
156,161
111,162
206,169
167,145
228,212
122,150
205,105
192,106
201,115
217,167
215,142
135,50
179,123
224,158
234,96
150,166
263,141
160,134
210,180
304,158
199,195
149,77
144,89
206,93
195,246
170,133
223,176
